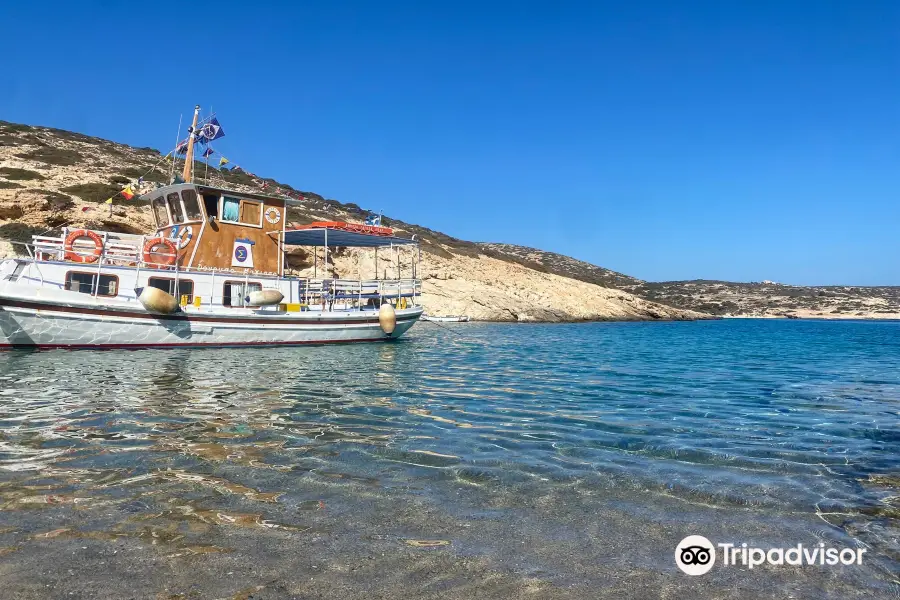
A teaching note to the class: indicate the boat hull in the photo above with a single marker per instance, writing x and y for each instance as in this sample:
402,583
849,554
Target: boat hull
36,324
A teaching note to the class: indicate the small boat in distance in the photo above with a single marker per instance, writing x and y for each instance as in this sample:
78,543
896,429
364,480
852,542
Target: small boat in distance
447,319
212,274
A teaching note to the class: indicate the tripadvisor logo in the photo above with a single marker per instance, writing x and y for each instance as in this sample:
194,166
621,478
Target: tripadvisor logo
696,555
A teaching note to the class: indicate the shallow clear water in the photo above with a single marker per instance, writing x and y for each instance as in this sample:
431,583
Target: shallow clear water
551,457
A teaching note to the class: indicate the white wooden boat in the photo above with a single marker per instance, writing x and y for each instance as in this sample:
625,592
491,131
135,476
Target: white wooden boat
213,274
447,319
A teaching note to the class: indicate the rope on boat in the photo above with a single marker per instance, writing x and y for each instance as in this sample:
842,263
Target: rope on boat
150,170
448,329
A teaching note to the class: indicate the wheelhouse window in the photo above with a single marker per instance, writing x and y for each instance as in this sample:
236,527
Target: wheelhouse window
191,205
231,209
85,282
159,211
174,202
234,293
246,212
211,204
185,287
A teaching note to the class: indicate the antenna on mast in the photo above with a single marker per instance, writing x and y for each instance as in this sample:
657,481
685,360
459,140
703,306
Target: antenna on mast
187,175
174,153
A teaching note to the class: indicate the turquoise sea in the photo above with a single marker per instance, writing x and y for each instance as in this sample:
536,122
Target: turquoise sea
467,460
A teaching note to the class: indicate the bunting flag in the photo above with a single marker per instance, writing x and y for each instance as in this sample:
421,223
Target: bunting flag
128,192
208,153
223,161
108,201
181,148
374,220
209,131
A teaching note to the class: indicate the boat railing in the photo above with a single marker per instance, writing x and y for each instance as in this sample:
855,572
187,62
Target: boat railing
117,248
316,291
127,250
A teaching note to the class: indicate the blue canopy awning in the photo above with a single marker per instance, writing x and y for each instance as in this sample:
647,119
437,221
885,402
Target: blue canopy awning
316,236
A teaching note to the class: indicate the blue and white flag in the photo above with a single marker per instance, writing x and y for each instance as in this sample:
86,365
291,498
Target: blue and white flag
374,220
243,253
209,131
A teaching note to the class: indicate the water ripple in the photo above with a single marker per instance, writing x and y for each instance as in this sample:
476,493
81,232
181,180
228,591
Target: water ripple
787,417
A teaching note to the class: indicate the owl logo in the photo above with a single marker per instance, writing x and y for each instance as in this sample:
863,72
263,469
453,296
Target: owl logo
695,555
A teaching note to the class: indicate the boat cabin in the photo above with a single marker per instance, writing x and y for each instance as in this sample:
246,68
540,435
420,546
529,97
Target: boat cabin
221,229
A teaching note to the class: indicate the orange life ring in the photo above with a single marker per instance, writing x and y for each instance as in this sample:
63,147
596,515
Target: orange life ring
160,259
82,257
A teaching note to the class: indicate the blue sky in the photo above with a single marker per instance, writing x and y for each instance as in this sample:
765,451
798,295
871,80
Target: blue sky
666,140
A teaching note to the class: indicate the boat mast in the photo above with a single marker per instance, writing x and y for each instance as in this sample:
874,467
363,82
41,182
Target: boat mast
187,175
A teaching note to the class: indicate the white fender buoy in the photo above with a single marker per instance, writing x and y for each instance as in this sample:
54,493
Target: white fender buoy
264,298
156,300
387,318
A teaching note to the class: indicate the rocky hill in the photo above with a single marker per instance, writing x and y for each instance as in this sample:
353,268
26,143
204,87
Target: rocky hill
770,299
50,178
723,298
551,262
